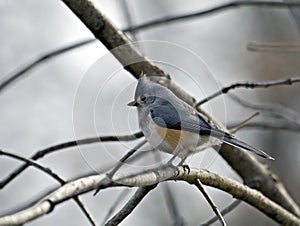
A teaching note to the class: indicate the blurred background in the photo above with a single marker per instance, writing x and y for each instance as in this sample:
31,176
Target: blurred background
84,93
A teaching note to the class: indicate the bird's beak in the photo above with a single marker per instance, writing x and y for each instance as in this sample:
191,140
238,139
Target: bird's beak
133,104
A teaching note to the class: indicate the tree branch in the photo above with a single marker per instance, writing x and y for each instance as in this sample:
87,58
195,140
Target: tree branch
122,160
69,144
215,9
210,202
53,175
10,78
148,178
279,47
250,85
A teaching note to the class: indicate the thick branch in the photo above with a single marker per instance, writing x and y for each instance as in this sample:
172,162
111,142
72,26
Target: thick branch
258,176
110,36
148,178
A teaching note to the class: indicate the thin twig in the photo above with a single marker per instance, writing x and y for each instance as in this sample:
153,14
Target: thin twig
280,47
122,161
210,202
128,18
130,205
277,125
275,110
215,9
243,123
53,175
250,85
172,207
119,199
125,157
69,144
10,78
225,211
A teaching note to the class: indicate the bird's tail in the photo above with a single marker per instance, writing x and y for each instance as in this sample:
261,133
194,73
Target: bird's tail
240,144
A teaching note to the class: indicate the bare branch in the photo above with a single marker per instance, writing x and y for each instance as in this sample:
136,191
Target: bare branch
276,110
125,157
69,144
12,77
148,178
215,9
279,125
130,205
243,123
53,175
228,209
280,47
128,17
210,202
122,160
258,176
250,85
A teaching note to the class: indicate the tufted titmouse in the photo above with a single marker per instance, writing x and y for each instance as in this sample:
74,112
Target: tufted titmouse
173,126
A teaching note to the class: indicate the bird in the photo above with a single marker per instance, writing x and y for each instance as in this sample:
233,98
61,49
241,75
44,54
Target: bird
173,126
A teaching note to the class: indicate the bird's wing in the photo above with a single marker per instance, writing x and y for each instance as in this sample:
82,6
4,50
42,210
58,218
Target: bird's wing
168,116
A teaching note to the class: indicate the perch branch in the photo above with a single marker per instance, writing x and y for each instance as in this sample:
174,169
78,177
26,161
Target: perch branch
148,178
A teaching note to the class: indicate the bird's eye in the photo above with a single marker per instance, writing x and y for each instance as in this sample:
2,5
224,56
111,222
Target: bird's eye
143,98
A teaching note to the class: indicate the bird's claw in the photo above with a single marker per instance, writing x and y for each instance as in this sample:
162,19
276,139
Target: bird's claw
186,168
